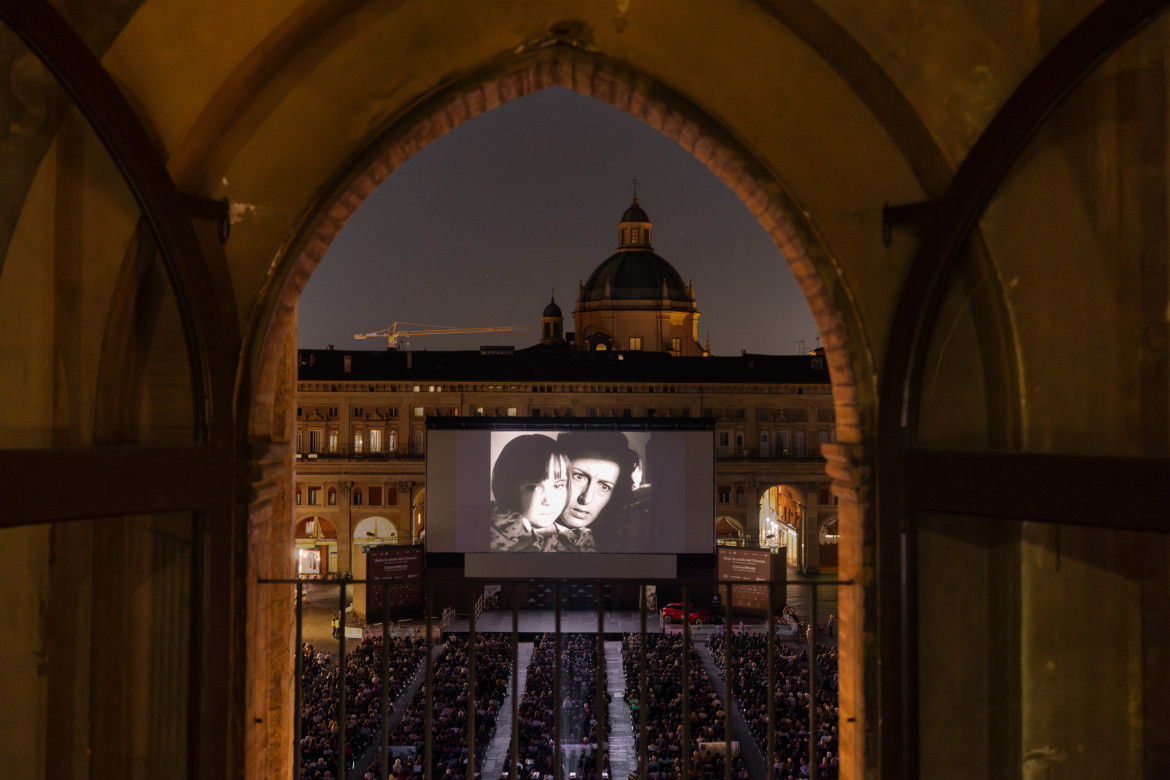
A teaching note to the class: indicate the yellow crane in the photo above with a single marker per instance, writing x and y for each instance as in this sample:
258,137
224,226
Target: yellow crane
394,332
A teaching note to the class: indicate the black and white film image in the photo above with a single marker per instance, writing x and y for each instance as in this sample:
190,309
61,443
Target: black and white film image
571,491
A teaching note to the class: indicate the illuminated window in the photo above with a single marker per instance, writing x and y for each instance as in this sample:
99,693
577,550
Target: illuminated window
635,343
375,441
357,442
393,442
676,345
419,412
511,411
333,441
314,496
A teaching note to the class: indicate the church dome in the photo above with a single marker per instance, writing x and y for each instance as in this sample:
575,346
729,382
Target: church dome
632,275
635,213
552,310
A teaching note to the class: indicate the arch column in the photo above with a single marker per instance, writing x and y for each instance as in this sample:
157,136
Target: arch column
405,510
810,524
751,524
345,527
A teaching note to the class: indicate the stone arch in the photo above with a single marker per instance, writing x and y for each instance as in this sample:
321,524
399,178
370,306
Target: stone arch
728,528
375,529
322,528
847,349
640,96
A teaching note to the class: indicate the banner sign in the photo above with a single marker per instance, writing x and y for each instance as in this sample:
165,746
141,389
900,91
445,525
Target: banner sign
402,569
735,564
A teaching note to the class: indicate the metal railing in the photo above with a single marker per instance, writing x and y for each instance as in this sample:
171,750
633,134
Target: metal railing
726,590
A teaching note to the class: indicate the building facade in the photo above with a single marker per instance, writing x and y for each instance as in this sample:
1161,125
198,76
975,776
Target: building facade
361,416
361,435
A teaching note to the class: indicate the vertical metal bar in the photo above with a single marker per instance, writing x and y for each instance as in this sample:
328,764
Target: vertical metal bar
770,759
515,680
384,744
341,683
643,761
428,713
599,706
728,677
683,748
557,688
812,684
471,692
196,622
300,675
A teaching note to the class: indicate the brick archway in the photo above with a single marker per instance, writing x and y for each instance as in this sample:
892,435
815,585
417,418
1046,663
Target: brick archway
672,115
848,353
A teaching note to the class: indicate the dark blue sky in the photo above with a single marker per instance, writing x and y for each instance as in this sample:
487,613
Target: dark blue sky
478,229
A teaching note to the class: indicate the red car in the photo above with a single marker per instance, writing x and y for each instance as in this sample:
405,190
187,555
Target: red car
699,616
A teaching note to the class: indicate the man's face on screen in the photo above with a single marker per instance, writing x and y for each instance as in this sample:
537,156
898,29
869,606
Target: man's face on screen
591,485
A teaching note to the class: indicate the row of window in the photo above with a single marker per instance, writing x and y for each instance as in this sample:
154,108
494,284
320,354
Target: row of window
373,441
374,493
377,387
767,438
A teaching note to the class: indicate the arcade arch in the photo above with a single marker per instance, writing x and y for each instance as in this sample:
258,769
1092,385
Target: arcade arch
316,547
375,530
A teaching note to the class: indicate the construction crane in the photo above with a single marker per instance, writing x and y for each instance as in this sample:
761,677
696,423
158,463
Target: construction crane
394,332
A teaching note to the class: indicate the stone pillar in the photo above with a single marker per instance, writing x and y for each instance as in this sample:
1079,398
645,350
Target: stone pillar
810,529
853,483
405,511
751,526
344,527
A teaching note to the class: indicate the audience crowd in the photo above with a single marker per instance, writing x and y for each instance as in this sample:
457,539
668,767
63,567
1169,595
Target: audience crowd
536,709
450,709
791,715
363,700
663,707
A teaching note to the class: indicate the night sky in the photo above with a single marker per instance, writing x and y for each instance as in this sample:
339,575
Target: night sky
481,226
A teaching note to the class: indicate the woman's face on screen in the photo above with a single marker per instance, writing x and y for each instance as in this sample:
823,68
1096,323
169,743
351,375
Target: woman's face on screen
542,502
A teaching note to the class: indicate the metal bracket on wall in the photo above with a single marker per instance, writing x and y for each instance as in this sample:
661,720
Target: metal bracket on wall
217,211
908,213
